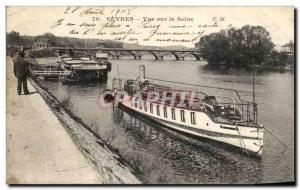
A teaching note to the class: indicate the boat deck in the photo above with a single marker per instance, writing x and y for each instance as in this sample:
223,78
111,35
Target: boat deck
221,112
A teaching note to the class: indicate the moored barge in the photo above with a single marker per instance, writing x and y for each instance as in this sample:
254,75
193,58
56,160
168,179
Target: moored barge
74,69
85,68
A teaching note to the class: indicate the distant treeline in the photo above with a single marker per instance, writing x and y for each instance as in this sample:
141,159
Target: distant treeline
13,38
241,47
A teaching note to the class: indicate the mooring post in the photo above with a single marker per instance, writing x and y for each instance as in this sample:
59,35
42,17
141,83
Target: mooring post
253,91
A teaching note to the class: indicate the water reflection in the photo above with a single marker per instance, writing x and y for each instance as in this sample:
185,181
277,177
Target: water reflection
192,161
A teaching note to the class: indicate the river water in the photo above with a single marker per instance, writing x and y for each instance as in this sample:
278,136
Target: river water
163,156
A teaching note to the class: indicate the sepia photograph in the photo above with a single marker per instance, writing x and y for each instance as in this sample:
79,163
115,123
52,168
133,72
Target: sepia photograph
150,95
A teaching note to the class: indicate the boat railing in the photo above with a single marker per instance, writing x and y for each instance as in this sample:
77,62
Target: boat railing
159,88
51,73
209,90
233,102
248,110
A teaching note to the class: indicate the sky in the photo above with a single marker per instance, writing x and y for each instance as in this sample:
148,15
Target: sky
279,21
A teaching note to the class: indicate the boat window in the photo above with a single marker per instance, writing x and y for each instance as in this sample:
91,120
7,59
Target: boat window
165,112
193,120
151,108
157,110
182,115
145,106
173,113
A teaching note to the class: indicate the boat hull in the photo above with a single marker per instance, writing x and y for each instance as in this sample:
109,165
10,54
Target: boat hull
238,142
248,138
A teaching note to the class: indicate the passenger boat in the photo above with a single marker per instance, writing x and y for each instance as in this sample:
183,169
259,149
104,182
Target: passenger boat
214,113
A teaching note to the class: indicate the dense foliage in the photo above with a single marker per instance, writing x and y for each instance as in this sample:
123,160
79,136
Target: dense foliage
14,38
237,47
44,53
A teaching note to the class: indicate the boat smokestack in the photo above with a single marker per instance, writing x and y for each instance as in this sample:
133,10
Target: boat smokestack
142,72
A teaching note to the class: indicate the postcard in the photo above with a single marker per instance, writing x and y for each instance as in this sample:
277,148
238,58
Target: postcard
143,95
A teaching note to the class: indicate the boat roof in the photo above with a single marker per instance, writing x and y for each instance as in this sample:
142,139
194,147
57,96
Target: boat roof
49,64
87,68
101,55
79,61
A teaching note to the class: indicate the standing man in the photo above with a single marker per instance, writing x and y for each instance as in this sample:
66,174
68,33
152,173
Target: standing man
21,71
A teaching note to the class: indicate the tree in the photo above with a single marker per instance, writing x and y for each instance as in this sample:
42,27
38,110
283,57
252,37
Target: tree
49,38
213,46
13,38
257,44
237,47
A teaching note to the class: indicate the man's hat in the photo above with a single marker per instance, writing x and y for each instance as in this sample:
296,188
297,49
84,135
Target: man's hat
21,54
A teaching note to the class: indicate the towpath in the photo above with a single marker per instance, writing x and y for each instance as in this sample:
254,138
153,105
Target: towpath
39,149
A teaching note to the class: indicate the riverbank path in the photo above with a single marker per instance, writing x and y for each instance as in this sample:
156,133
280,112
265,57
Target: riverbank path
38,148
